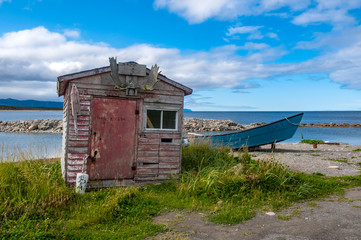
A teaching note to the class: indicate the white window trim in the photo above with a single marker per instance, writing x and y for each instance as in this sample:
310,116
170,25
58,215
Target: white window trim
161,119
161,107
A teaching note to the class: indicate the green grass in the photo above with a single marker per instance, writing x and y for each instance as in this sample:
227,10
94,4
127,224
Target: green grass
288,216
309,141
357,150
36,204
342,160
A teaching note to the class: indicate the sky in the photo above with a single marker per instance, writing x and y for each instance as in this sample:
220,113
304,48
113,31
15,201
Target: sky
249,55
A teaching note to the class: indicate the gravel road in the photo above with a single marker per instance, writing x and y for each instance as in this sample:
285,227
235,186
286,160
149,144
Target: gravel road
333,218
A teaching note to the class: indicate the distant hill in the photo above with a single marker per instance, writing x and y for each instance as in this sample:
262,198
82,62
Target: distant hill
20,104
187,110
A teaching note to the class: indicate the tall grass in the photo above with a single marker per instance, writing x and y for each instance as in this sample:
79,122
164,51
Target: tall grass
36,204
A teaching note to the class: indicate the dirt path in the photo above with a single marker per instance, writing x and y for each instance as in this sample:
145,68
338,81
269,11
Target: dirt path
335,217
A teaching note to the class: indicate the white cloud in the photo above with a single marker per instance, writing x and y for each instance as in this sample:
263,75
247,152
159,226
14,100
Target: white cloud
334,12
294,5
320,16
199,11
242,30
253,31
254,46
272,35
30,61
71,33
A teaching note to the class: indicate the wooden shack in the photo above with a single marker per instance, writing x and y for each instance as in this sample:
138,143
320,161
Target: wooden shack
122,125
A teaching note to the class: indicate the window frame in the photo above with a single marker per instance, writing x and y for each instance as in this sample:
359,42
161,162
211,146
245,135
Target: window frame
161,108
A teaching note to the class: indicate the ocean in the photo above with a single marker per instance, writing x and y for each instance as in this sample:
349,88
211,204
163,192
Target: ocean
50,144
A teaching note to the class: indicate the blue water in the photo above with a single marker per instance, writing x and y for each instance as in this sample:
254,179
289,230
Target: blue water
247,118
29,115
346,135
32,145
50,144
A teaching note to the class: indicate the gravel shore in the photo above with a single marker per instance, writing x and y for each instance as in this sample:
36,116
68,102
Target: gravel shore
331,160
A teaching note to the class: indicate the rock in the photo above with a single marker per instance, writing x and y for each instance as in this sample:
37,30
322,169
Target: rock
33,127
270,213
44,126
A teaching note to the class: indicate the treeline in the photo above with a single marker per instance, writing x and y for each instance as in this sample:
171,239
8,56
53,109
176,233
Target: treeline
3,107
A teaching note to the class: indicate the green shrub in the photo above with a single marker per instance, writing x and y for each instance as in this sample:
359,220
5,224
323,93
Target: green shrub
309,141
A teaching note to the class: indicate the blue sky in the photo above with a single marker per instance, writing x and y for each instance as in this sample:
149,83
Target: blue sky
250,55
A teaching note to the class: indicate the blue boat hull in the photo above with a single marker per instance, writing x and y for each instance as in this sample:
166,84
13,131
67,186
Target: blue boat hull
269,133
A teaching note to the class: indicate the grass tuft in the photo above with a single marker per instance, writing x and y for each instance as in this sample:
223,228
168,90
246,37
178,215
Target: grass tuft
310,141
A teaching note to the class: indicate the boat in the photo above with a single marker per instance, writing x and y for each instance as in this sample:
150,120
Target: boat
265,134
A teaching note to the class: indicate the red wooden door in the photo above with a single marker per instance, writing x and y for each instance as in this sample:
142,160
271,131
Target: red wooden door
113,138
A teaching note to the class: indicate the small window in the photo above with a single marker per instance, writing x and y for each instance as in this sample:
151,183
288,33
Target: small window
160,119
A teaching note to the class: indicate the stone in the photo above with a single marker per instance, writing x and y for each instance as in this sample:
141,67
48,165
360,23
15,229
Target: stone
33,127
270,213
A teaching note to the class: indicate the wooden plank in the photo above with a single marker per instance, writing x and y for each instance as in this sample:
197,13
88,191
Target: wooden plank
150,136
80,118
151,165
79,122
76,168
75,162
152,141
146,178
164,147
148,154
78,138
85,88
148,147
72,173
147,159
163,100
169,165
132,69
83,150
78,144
80,133
147,171
95,79
168,171
85,97
169,159
171,135
80,128
169,153
84,108
87,103
157,92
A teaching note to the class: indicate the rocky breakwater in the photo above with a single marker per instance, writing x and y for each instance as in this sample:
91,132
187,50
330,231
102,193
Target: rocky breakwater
189,125
333,125
32,126
211,125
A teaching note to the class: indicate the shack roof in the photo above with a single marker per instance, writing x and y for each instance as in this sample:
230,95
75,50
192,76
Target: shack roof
63,80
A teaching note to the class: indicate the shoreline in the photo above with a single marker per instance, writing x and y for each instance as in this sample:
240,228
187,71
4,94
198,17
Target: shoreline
190,125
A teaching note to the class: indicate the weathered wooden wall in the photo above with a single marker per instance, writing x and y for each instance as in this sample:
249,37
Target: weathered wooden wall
156,159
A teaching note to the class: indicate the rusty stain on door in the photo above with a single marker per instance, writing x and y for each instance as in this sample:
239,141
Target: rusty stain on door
113,138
